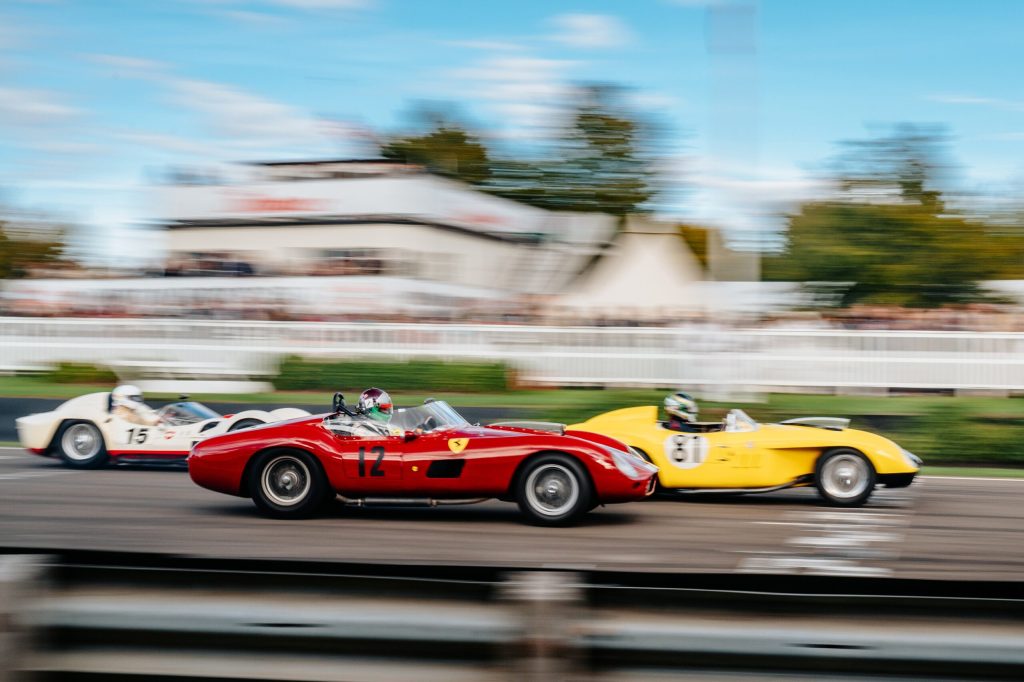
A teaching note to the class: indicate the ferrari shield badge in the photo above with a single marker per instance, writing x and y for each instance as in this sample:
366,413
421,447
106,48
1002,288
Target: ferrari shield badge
457,445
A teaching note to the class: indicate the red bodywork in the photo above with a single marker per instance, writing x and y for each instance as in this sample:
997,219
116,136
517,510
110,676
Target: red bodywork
431,465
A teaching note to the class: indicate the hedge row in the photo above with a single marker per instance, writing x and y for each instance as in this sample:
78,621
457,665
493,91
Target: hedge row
79,373
297,374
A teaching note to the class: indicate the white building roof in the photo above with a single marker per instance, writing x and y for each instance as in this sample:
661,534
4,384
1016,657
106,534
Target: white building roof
419,197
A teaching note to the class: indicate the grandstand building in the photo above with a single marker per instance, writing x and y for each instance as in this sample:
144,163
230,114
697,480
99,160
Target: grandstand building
373,218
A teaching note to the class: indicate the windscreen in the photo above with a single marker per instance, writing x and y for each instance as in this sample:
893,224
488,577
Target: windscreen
186,413
739,421
433,416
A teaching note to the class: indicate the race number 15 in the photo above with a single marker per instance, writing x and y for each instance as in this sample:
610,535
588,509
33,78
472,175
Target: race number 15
137,436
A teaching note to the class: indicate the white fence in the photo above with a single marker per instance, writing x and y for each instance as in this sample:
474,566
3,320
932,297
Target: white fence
740,359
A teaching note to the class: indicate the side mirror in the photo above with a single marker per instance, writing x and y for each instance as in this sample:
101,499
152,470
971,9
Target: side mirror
338,403
183,397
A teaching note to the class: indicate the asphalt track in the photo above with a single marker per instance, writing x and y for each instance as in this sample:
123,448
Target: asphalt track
941,528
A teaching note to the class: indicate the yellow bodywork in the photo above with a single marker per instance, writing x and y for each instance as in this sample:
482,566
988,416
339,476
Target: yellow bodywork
762,456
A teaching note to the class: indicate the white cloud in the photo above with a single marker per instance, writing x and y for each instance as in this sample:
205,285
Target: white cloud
489,45
653,101
238,118
592,31
169,143
66,147
1015,136
8,36
126,63
238,114
250,18
21,105
323,4
527,92
701,3
975,100
739,199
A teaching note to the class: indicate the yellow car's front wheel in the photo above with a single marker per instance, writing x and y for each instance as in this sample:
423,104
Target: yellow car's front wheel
844,477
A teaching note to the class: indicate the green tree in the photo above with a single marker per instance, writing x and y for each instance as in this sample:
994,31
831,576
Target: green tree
600,162
19,253
889,237
446,148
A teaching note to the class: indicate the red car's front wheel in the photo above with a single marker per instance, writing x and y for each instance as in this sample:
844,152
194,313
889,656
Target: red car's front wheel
288,484
553,490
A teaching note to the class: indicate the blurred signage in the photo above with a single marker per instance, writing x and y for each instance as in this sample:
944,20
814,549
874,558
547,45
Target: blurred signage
419,196
270,204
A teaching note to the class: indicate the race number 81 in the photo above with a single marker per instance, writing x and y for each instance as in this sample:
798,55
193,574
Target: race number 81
686,451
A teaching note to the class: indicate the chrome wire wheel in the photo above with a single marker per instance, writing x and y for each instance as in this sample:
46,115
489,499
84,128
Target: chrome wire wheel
845,476
552,490
286,481
81,442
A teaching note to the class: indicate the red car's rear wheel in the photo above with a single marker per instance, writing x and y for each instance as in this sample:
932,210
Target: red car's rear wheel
288,484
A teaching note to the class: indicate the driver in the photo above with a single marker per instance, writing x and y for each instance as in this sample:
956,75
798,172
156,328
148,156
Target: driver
126,402
682,412
373,412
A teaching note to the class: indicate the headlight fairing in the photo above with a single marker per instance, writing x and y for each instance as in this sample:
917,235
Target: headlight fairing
912,459
631,464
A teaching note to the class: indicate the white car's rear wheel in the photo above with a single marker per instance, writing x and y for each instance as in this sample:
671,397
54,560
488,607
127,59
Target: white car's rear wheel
80,444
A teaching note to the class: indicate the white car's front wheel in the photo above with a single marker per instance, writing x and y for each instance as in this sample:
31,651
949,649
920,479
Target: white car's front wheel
245,424
80,444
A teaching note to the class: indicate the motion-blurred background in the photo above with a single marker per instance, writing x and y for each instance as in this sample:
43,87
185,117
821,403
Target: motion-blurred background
746,199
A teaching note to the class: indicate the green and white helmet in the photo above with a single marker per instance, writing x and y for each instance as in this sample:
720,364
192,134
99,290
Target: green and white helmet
682,405
376,404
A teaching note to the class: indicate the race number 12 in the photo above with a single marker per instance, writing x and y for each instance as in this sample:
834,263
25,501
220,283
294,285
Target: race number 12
375,469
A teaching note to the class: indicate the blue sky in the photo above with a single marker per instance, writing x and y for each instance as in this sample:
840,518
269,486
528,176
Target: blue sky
97,97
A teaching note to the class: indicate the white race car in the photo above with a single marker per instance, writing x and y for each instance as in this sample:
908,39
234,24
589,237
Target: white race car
86,432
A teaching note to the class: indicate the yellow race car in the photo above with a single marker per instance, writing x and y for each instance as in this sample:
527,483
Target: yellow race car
738,455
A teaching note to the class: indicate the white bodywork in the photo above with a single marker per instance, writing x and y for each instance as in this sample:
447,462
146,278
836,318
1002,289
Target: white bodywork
123,437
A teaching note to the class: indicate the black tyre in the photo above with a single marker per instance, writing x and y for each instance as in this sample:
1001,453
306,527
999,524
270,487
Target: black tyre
554,490
80,445
245,424
844,477
288,484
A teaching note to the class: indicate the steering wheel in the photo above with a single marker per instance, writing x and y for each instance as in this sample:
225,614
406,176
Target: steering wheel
429,424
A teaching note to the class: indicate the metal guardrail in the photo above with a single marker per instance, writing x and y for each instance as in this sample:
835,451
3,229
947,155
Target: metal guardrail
744,359
157,618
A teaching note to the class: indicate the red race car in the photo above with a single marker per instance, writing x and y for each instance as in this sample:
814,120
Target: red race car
427,455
